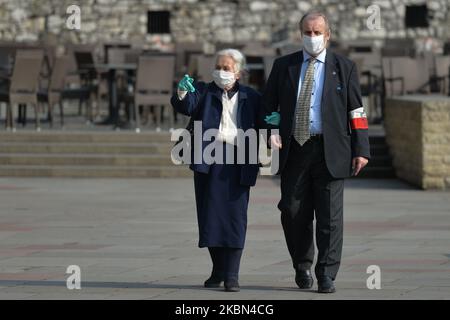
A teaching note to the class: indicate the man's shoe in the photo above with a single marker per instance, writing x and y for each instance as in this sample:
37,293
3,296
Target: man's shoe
232,286
213,282
304,279
326,285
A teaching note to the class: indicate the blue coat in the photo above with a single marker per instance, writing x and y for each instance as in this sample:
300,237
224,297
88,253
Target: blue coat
206,104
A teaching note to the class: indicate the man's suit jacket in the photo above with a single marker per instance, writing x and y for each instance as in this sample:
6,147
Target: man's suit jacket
345,131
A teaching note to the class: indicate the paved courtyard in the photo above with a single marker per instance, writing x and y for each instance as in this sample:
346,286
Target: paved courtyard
137,239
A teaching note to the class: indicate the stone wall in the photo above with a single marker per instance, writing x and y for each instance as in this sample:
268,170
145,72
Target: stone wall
209,21
418,134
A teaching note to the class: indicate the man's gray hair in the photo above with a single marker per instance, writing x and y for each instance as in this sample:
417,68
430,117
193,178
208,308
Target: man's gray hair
314,14
236,55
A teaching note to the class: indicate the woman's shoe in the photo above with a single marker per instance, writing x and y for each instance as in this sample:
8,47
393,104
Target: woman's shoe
213,282
232,286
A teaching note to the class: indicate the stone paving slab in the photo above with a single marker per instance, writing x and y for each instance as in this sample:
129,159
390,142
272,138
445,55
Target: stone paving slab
137,239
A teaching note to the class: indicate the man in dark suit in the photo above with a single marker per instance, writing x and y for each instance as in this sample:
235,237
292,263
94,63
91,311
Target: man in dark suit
315,96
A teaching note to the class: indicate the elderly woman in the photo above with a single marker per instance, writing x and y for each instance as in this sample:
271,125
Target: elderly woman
222,188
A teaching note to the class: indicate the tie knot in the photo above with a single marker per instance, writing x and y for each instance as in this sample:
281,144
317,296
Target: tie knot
312,60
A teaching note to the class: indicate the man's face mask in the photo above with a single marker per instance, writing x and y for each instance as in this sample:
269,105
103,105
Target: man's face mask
314,45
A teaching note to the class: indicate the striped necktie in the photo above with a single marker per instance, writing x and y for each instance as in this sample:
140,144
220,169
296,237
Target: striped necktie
301,129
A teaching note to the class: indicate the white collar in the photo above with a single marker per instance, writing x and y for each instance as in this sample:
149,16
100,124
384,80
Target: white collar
320,57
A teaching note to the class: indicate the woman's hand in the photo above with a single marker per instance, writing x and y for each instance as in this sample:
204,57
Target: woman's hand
273,119
185,84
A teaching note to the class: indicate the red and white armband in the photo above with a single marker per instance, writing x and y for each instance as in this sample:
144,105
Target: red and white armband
358,119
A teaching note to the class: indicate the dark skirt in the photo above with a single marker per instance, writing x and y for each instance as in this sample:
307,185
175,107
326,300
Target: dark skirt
222,204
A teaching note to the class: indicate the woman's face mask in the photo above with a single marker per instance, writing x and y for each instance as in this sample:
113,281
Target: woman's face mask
224,79
224,75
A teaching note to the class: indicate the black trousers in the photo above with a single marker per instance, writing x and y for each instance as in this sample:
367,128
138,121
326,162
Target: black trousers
226,262
307,187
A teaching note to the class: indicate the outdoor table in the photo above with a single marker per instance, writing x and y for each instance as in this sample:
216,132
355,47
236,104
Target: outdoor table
113,114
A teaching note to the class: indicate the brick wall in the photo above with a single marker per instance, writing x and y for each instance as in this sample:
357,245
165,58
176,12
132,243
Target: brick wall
210,21
418,134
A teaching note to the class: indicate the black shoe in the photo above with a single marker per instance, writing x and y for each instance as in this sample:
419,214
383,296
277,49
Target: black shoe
304,279
213,282
232,286
326,285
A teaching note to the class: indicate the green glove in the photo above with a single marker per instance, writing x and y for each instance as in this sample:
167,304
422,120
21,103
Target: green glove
185,84
273,119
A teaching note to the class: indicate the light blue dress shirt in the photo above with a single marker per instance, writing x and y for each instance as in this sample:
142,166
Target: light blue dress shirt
315,126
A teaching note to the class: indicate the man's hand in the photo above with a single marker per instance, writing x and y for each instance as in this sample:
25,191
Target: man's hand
358,163
275,141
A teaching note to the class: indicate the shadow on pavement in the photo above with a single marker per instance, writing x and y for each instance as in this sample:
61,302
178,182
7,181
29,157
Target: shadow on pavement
138,285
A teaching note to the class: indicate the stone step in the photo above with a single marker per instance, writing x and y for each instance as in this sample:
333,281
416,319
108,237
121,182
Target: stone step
118,160
95,171
379,150
107,137
85,148
373,140
84,137
85,159
380,161
173,171
117,154
377,172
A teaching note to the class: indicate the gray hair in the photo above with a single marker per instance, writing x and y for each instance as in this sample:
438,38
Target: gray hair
236,55
314,14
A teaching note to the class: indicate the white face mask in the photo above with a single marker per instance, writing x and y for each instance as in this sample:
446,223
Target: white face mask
224,79
313,45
